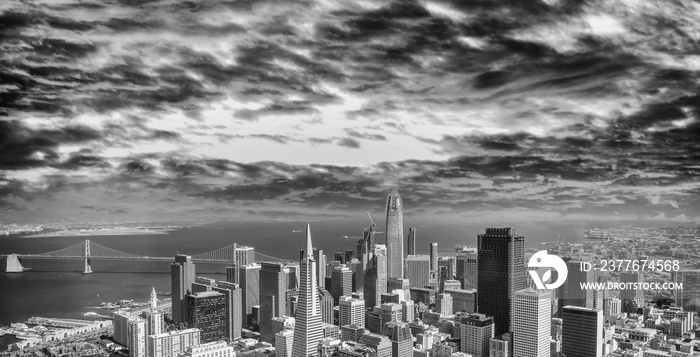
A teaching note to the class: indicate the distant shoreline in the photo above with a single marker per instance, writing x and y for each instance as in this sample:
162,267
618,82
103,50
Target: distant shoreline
98,232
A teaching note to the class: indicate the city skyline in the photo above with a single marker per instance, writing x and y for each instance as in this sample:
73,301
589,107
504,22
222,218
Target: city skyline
546,111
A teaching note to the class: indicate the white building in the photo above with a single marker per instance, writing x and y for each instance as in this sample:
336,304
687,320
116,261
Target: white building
351,312
531,323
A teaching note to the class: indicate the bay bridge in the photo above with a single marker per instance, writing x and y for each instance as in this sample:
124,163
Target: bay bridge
89,251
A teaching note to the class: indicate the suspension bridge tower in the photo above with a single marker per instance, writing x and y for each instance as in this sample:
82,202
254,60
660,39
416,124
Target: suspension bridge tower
88,267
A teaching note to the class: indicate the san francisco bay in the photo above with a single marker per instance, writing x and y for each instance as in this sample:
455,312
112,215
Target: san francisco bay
57,288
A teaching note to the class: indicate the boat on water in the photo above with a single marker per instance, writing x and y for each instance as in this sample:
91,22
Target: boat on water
599,234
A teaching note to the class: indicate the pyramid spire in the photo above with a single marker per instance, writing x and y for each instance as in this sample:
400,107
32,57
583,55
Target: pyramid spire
309,246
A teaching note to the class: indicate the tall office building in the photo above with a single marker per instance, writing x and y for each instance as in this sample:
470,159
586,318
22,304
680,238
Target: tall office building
182,273
571,293
476,332
137,338
341,282
501,261
351,311
245,255
207,312
433,256
467,270
531,323
308,326
418,270
234,320
273,292
631,298
250,292
327,303
582,332
411,241
375,280
320,267
394,235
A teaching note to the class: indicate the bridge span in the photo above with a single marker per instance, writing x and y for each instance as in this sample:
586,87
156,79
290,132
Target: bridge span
89,251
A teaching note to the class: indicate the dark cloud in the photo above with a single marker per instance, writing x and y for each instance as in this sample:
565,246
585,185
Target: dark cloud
349,143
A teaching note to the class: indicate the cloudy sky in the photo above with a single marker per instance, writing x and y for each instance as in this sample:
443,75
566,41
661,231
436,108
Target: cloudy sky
477,110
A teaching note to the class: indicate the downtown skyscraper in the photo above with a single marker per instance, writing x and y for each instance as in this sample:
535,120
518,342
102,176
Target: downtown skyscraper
394,235
501,261
308,330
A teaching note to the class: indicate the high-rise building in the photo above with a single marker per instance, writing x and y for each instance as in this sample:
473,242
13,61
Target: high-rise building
433,256
380,343
582,332
401,339
632,299
467,270
308,326
571,293
137,338
443,304
326,303
234,320
245,255
531,323
418,270
394,235
501,261
250,292
375,280
476,333
182,273
172,343
341,282
207,312
273,290
320,267
351,311
411,241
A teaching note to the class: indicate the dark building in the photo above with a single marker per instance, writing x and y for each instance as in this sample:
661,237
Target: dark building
207,312
401,339
375,281
341,282
501,262
182,273
273,293
411,241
